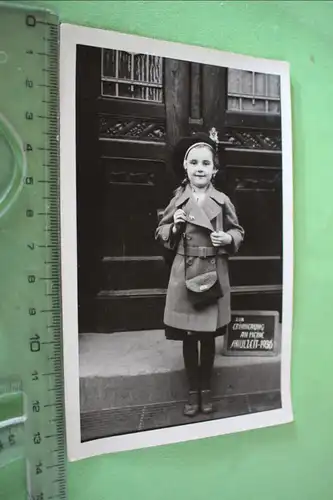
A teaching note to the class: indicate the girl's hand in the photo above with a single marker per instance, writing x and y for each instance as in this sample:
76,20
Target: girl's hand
220,238
179,219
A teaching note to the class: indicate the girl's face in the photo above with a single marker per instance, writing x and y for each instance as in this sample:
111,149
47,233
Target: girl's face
199,166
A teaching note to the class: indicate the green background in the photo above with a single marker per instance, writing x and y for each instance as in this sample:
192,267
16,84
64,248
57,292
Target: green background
292,461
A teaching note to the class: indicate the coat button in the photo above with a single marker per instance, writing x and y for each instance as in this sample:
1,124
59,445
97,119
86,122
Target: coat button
212,261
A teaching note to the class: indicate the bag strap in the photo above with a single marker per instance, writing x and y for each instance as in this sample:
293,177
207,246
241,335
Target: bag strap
185,247
219,222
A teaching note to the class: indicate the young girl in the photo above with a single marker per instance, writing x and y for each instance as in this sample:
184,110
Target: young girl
200,224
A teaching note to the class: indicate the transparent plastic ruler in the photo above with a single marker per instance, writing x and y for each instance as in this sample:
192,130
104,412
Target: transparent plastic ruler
31,375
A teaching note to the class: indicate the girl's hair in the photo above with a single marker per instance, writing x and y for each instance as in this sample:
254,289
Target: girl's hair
181,188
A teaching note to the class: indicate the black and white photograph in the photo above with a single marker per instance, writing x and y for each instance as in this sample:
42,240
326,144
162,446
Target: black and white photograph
177,241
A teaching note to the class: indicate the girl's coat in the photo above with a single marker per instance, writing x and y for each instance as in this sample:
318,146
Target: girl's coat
179,311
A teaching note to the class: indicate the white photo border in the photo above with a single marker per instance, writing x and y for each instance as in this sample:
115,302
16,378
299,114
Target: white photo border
70,37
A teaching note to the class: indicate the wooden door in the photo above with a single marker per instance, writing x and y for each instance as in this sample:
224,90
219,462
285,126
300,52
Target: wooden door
131,109
253,164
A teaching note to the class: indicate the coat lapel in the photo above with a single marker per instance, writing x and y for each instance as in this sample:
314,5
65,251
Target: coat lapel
196,215
202,216
186,194
213,202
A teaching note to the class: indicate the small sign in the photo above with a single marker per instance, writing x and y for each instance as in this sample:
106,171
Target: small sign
252,333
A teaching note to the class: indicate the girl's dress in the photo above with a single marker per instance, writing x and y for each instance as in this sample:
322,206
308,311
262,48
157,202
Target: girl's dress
181,318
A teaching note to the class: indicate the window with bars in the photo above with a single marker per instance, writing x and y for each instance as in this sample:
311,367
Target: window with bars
249,91
128,75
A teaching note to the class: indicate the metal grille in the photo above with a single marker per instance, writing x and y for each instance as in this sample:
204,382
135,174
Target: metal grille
128,75
253,92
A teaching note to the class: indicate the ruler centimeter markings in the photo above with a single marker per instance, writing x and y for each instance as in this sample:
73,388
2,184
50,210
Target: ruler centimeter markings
35,39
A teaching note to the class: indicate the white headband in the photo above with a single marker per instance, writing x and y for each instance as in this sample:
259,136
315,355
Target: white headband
199,144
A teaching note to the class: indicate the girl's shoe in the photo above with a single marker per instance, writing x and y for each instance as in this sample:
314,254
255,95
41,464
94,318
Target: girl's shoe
206,402
191,408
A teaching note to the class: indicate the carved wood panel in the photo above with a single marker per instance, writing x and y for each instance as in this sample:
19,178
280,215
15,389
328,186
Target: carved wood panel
251,139
136,128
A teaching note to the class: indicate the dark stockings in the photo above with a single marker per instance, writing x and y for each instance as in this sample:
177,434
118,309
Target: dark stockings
191,361
199,375
207,355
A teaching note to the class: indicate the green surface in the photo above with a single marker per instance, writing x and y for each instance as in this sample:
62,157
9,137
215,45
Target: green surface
11,406
27,308
290,462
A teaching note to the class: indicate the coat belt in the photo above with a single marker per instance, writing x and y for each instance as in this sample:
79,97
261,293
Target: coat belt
201,252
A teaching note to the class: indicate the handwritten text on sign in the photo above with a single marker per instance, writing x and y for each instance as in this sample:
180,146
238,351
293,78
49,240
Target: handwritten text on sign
251,333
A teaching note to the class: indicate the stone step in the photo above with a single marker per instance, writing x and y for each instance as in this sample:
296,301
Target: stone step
130,369
115,421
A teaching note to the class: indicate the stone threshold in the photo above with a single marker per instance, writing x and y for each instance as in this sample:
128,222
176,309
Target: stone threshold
126,420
